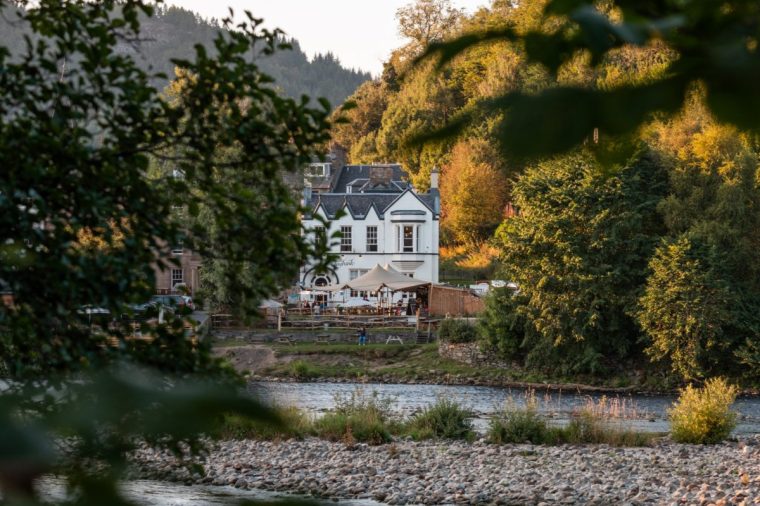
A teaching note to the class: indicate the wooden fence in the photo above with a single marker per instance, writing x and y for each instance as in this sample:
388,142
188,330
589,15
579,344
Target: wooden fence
445,300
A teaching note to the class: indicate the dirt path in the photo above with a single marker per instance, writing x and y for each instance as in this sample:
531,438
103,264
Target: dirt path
248,358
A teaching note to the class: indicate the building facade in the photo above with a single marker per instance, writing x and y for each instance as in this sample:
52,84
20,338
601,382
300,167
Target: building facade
382,220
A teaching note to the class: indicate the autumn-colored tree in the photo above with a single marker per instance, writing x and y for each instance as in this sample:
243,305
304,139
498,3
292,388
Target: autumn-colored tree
426,21
473,192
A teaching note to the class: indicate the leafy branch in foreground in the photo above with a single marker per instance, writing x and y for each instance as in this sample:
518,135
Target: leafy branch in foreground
83,216
714,44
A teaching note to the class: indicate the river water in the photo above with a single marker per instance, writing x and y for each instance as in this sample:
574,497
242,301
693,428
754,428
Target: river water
639,412
159,493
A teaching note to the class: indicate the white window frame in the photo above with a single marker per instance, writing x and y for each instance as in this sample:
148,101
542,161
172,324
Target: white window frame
407,247
372,246
178,277
346,244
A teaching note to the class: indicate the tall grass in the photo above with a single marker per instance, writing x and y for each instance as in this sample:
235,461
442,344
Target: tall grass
295,425
446,419
359,416
516,424
597,422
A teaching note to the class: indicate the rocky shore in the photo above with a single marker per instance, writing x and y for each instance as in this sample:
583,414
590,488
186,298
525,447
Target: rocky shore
407,472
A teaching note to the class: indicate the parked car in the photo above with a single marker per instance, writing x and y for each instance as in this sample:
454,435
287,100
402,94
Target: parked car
182,303
94,315
148,310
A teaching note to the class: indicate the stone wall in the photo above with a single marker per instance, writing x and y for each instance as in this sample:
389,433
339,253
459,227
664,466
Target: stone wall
470,354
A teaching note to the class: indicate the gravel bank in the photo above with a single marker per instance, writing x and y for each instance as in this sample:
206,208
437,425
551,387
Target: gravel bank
479,473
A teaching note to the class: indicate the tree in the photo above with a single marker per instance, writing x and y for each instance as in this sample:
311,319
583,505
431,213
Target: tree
578,252
473,191
684,309
81,222
426,21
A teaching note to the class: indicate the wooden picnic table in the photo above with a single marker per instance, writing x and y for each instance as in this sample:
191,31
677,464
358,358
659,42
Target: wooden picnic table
322,339
286,339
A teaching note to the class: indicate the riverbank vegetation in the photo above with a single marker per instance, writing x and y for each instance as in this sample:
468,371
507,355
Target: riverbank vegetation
368,418
597,422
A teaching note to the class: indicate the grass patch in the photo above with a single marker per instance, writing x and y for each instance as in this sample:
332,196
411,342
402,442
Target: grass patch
598,422
295,425
516,424
358,416
300,369
446,419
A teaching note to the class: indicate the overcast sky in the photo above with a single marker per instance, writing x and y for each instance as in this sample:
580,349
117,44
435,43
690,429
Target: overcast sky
361,33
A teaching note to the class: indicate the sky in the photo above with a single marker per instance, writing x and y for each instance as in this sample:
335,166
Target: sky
361,33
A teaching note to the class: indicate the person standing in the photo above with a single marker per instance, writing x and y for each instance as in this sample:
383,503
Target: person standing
362,337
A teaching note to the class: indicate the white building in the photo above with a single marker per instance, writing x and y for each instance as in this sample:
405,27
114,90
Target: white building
385,221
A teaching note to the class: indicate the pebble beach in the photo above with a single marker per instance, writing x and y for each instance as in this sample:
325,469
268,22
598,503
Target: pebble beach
447,472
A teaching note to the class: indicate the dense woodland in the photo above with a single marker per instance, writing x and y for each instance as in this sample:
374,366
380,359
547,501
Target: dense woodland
173,32
636,252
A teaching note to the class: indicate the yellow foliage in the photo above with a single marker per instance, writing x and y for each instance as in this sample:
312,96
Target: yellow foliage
703,415
102,238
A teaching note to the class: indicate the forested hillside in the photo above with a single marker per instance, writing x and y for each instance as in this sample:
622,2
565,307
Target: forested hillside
173,32
627,250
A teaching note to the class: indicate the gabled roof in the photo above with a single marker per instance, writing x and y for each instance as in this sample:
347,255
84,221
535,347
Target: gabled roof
359,204
351,173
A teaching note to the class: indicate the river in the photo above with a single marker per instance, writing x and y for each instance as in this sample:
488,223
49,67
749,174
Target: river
639,412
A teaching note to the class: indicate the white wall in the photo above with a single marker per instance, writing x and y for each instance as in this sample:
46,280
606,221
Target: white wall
360,258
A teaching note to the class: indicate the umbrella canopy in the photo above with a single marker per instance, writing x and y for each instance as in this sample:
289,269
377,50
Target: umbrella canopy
356,302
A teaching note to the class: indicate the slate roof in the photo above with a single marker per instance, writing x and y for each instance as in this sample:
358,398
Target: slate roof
350,173
362,198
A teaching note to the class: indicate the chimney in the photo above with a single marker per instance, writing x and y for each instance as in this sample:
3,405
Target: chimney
306,200
434,179
380,176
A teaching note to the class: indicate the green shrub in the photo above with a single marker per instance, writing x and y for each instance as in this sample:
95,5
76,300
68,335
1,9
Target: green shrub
703,415
362,427
445,419
518,424
300,370
457,331
295,425
359,416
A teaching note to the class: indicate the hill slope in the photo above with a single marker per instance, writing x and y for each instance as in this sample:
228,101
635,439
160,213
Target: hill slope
173,32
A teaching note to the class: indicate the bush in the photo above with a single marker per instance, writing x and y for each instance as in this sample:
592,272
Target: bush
457,331
300,370
518,424
445,419
359,417
295,425
703,415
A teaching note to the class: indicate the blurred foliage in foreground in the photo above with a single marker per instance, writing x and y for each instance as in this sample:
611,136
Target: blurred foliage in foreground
82,220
